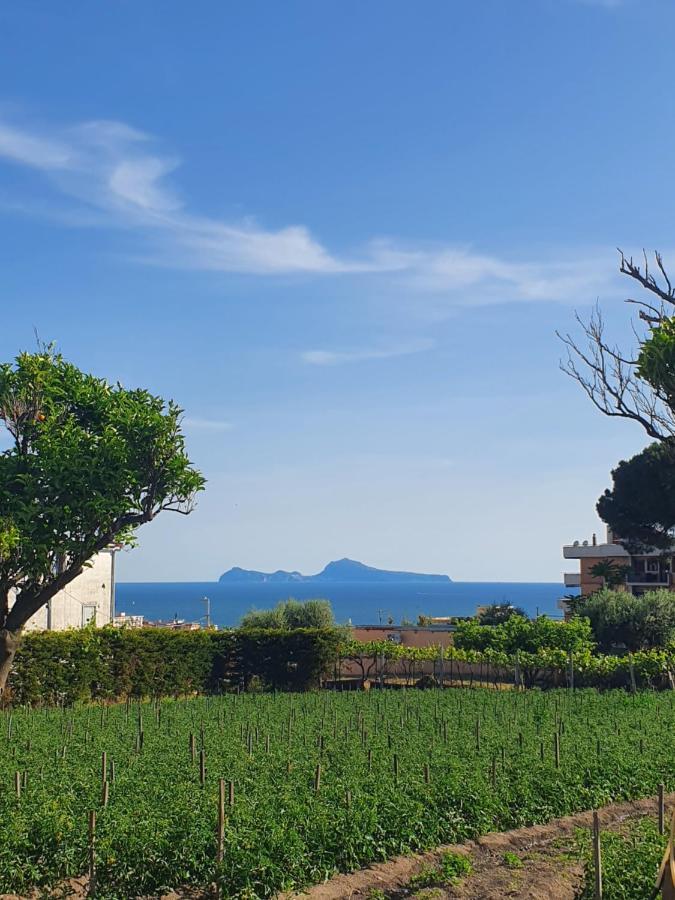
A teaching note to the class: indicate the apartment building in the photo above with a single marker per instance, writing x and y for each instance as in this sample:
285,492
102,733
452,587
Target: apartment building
88,598
645,571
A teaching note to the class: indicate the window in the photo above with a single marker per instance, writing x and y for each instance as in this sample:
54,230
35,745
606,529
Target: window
88,615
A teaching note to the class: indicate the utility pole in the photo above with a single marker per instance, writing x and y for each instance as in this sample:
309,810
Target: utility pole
207,617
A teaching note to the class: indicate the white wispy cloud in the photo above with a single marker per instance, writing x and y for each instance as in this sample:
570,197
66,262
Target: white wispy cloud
605,4
196,424
111,175
339,357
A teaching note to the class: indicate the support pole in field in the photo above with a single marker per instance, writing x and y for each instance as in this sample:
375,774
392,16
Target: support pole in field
202,768
597,856
662,809
631,670
221,834
317,778
92,850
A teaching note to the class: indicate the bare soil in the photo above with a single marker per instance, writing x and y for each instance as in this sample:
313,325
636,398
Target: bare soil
540,864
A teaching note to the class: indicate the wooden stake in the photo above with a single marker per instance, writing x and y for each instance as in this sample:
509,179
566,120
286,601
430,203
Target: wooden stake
317,778
662,809
92,850
105,795
202,768
17,784
220,853
597,857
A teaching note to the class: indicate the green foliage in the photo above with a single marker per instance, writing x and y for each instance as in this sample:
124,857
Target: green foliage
656,360
57,667
455,866
612,573
620,619
520,634
640,507
630,861
546,667
290,614
512,860
498,613
159,829
90,462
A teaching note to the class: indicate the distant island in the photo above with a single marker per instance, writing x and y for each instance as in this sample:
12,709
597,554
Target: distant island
341,570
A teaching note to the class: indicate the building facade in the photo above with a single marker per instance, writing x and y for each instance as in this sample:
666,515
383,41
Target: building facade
645,571
88,598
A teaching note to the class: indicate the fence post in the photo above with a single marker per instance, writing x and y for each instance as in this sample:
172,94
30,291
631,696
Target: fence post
597,856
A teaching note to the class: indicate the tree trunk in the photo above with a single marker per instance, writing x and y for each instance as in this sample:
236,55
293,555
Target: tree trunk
9,644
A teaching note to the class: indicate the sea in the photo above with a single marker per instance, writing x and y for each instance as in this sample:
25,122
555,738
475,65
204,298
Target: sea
353,603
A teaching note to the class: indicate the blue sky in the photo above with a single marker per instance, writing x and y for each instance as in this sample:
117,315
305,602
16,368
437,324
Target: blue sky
342,236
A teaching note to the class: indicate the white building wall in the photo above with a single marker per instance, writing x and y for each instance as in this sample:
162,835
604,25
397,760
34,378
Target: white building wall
90,596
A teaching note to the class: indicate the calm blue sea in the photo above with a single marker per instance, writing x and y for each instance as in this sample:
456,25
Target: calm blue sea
362,604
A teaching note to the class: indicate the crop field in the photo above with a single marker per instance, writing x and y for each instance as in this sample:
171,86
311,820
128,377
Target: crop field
312,783
630,861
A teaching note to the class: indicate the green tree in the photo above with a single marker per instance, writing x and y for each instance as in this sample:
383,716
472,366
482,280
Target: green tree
292,614
640,507
612,573
498,613
527,635
619,619
89,463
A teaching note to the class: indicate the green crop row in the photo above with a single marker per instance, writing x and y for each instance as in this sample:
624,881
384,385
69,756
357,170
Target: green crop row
630,861
321,782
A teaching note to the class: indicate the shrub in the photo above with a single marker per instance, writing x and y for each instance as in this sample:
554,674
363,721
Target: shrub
111,664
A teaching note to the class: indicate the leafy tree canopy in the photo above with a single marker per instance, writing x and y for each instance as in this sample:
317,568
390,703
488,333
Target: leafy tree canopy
527,635
89,462
622,620
640,507
497,613
292,614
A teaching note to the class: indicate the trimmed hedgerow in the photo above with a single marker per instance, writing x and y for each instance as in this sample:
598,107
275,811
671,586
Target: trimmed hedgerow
112,664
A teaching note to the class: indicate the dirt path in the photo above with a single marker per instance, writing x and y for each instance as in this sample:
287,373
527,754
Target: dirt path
538,864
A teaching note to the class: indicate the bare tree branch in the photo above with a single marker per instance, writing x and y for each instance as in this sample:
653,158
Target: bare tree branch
609,377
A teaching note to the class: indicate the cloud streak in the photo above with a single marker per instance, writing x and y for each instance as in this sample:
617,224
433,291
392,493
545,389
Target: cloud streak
191,423
336,358
114,176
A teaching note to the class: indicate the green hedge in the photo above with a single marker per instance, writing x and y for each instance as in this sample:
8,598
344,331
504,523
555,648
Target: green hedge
115,663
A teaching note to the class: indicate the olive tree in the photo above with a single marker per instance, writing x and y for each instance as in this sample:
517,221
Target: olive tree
88,463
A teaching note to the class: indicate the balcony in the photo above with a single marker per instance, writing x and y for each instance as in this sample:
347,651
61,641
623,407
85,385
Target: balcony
658,579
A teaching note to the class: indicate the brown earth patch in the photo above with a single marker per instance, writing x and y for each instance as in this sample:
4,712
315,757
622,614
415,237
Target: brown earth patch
540,864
